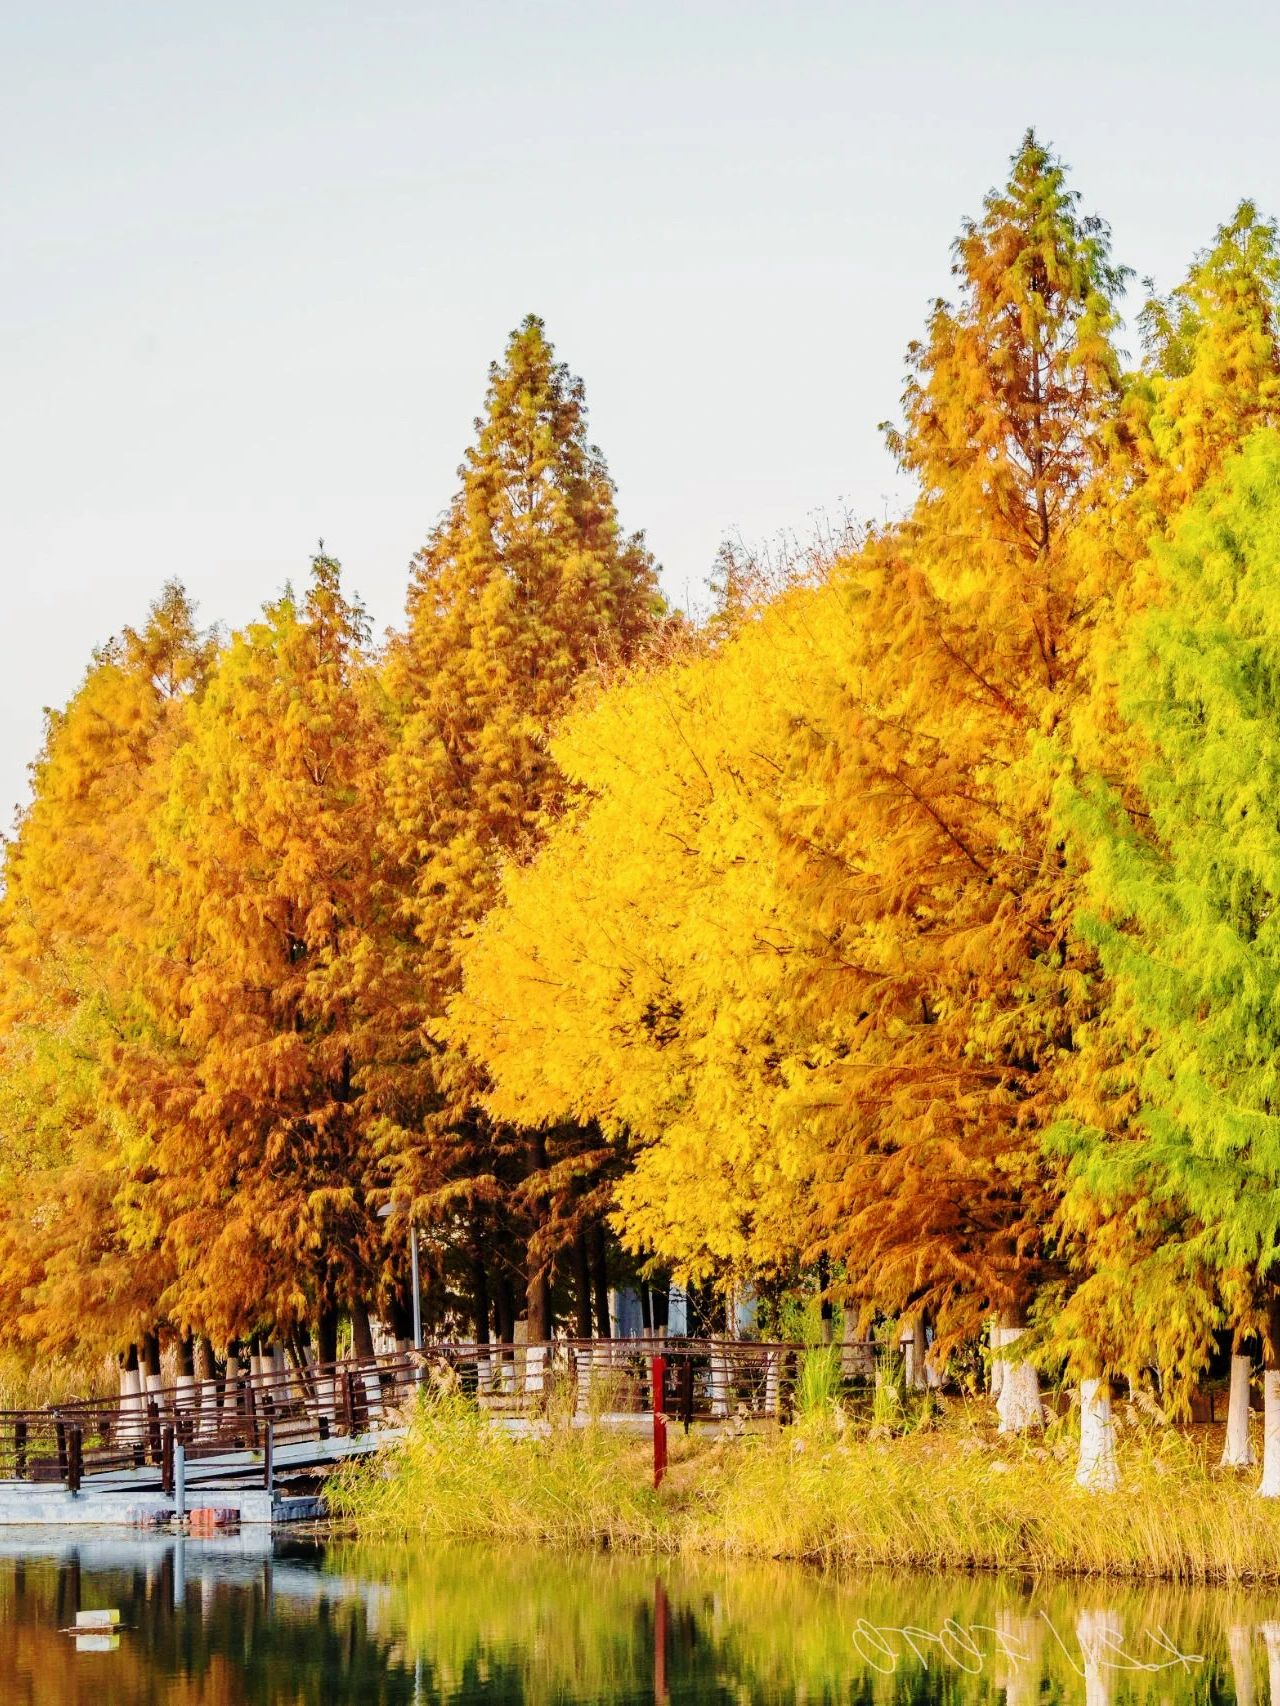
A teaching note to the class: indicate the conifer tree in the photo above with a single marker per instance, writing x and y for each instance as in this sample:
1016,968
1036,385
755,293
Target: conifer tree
936,842
73,928
253,1167
525,587
1174,1190
1211,348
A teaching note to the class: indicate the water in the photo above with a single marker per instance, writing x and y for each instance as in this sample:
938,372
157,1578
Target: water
236,1619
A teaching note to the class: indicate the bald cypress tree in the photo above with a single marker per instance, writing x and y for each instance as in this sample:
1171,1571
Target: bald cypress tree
526,587
1176,1189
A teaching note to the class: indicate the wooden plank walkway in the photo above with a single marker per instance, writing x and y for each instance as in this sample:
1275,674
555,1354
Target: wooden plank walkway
259,1429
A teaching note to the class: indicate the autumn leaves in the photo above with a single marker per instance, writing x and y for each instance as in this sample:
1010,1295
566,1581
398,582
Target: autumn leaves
873,928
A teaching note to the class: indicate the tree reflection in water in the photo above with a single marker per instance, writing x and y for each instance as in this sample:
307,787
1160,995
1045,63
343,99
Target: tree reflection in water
236,1619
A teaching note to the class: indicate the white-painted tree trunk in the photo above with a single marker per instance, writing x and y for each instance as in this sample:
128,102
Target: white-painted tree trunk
1240,1646
207,1407
130,1404
1097,1469
998,1364
1018,1403
911,1341
184,1397
1270,1488
535,1370
585,1368
1100,1635
1237,1450
719,1384
857,1359
771,1384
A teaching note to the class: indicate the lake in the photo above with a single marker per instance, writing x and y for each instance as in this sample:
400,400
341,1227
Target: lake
237,1618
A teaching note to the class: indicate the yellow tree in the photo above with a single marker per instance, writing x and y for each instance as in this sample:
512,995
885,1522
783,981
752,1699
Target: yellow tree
73,926
250,1162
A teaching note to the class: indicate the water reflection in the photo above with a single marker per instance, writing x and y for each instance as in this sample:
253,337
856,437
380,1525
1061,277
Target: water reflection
233,1619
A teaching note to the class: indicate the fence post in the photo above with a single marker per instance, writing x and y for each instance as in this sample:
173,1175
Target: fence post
60,1433
20,1449
686,1393
166,1462
269,1458
180,1481
75,1460
658,1389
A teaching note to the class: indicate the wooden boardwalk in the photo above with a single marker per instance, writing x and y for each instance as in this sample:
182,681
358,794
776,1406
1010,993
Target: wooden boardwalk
283,1428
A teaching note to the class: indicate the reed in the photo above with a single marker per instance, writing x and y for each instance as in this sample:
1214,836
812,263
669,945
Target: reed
27,1384
951,1497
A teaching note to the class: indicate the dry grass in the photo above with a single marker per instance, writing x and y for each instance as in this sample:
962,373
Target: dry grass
27,1385
949,1497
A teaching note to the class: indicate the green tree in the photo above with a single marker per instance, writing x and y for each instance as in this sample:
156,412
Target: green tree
1175,1182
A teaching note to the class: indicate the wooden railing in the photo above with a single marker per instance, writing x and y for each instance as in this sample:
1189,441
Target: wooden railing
264,1414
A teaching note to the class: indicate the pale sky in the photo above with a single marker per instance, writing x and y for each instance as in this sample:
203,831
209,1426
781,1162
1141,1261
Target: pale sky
256,259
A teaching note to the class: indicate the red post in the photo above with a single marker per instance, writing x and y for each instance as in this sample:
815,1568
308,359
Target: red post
659,1389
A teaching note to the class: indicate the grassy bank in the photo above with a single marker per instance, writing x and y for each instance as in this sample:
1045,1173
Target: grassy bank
953,1496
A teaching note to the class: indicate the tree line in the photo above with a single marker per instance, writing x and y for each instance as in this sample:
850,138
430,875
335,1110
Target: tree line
906,929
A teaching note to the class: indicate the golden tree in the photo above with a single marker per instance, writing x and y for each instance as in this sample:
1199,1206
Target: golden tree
527,586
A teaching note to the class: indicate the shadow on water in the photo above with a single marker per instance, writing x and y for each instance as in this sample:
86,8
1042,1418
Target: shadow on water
236,1619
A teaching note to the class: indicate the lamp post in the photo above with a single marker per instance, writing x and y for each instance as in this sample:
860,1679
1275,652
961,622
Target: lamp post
384,1213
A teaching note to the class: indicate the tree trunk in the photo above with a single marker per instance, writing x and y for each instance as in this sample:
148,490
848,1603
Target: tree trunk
327,1352
151,1362
538,1307
505,1309
1097,1469
400,1319
538,1283
600,1279
206,1389
1237,1448
327,1334
361,1331
646,1309
185,1396
825,1311
362,1345
1018,1404
662,1305
912,1339
1270,1488
131,1401
581,1287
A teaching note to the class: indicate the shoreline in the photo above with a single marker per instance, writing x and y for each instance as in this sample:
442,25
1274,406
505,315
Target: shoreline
955,1497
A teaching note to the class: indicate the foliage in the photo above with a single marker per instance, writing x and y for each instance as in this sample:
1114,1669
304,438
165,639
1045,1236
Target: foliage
898,936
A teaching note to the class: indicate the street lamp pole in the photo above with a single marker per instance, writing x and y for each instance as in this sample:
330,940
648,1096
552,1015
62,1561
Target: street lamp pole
384,1213
417,1289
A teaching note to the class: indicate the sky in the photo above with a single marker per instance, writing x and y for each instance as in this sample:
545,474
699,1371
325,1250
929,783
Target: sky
255,260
